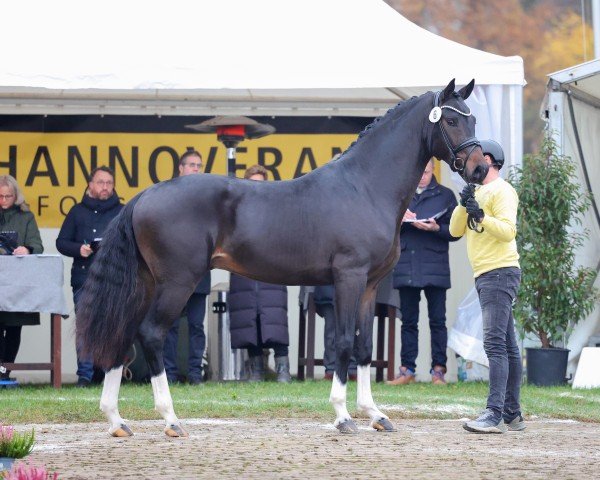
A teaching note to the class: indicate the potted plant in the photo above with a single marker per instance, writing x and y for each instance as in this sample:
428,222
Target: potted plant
555,293
13,445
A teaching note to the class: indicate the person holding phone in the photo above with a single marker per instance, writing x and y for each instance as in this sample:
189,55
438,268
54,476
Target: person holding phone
424,267
83,227
22,237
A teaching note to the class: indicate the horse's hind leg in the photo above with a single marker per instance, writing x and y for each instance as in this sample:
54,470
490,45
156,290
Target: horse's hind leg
167,306
363,350
109,403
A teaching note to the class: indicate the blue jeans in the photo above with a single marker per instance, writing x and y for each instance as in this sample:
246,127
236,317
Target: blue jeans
497,291
85,368
409,331
196,307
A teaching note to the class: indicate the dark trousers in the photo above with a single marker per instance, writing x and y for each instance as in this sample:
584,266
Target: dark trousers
10,341
327,311
409,333
497,291
196,308
279,350
85,367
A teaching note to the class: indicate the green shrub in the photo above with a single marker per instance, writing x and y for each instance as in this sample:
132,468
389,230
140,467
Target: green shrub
555,294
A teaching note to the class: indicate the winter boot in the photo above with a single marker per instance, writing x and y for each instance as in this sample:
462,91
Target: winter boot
282,366
257,369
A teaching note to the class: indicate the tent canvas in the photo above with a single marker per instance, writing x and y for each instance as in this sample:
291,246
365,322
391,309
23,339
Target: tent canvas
572,110
234,57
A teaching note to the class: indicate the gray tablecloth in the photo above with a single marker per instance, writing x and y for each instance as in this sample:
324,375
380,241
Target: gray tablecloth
32,283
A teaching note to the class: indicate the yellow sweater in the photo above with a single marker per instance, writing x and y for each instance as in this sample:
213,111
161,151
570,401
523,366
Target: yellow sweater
495,247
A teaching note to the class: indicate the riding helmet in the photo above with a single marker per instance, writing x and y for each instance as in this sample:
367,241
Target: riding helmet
494,150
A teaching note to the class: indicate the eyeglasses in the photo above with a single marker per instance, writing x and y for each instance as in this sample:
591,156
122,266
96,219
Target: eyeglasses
108,183
6,197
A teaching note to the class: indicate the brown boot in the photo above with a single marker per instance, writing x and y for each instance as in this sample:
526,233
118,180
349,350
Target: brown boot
405,377
437,375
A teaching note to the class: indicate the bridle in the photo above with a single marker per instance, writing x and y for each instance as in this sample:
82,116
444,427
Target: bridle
435,116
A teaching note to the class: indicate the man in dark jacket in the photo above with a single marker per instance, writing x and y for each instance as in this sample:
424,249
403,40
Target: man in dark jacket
190,163
424,266
81,235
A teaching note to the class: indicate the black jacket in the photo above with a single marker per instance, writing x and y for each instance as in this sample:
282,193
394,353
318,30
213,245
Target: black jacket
85,222
424,255
249,299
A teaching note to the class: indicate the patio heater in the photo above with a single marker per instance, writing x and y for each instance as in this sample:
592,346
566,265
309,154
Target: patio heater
231,131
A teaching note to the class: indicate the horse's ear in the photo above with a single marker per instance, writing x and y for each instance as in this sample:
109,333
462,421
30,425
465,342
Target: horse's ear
467,89
449,90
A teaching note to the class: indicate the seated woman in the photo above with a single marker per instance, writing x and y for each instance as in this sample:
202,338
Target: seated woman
21,237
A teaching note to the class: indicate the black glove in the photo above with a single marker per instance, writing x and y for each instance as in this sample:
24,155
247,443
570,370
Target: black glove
467,192
473,210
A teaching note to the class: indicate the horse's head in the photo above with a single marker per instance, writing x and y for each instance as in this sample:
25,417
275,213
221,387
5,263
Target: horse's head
453,136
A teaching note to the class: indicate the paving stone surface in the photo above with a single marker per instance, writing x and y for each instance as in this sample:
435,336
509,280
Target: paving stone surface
294,449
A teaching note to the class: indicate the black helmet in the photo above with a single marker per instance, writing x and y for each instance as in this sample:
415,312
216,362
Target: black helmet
494,150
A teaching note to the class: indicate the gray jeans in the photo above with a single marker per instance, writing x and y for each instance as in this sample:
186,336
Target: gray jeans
497,291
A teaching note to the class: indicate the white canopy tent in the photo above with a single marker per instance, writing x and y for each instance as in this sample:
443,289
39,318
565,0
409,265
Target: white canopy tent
265,57
572,109
239,57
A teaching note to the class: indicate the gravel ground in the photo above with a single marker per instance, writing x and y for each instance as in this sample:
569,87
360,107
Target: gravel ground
264,449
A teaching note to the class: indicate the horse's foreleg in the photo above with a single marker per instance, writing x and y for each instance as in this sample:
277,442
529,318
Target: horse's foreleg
349,288
109,403
363,348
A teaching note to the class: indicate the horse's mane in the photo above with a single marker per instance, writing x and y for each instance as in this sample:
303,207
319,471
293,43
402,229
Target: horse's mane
399,110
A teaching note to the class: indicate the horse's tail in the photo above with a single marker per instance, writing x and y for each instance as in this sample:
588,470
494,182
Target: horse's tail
112,299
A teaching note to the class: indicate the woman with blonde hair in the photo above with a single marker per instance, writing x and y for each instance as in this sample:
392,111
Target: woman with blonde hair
19,235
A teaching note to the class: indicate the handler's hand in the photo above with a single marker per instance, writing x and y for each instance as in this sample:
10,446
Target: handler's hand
429,226
408,215
85,250
21,251
474,210
467,192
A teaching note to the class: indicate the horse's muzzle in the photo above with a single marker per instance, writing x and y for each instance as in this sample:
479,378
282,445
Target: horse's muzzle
478,174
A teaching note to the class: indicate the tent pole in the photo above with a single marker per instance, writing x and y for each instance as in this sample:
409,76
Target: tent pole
596,26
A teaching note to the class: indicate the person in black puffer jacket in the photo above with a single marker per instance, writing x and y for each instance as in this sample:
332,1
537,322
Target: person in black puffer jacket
81,234
258,315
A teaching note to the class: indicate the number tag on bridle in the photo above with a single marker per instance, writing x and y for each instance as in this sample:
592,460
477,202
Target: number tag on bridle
435,115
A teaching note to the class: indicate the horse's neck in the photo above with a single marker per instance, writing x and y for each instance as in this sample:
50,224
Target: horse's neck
390,161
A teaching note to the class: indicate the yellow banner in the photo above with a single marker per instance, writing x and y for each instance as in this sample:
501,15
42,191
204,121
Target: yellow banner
52,167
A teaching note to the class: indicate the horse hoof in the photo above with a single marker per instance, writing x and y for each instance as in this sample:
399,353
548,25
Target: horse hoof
122,431
347,427
383,425
175,431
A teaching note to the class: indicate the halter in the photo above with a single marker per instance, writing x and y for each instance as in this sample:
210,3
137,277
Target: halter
435,117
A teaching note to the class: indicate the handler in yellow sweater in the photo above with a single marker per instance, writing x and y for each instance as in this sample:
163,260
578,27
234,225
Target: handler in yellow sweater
492,251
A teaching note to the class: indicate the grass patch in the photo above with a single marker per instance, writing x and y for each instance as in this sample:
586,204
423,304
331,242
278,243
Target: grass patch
41,404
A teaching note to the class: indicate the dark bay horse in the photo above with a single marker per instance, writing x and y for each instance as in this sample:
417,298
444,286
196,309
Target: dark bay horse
339,224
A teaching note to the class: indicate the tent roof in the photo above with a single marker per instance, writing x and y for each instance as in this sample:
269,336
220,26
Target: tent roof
582,80
270,51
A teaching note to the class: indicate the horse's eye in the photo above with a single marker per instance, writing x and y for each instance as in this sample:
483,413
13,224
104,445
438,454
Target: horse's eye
451,122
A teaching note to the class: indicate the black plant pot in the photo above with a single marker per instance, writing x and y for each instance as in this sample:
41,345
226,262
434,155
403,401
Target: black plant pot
547,366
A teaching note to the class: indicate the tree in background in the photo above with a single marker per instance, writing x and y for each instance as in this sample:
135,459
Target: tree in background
549,35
